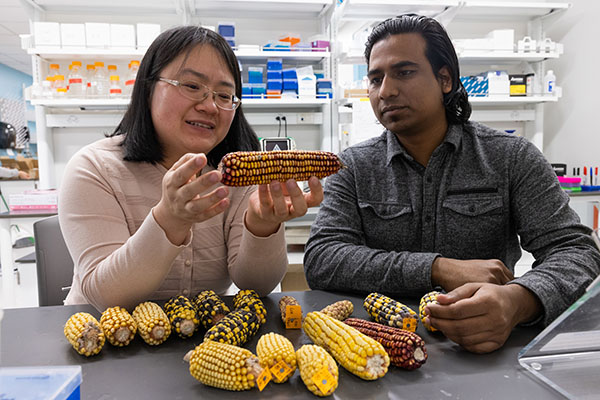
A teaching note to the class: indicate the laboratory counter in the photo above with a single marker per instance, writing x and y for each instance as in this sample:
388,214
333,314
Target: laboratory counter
34,337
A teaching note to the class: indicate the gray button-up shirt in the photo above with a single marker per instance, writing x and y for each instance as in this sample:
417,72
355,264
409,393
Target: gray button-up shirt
385,218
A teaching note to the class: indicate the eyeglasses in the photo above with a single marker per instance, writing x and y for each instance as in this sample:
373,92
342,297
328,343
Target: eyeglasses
198,92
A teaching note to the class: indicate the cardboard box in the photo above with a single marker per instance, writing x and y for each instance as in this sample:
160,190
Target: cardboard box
122,35
97,34
520,84
498,83
476,85
72,35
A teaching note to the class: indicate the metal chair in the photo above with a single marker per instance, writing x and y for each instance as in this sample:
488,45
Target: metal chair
53,262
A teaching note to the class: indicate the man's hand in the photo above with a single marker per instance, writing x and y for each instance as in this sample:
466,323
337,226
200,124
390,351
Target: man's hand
480,316
450,273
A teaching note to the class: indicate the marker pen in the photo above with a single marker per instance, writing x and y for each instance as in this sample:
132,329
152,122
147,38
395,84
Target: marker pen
584,180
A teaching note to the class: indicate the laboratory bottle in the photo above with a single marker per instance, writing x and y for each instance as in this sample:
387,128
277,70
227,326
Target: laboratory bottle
101,80
47,84
115,87
89,77
549,82
60,86
75,86
52,72
134,65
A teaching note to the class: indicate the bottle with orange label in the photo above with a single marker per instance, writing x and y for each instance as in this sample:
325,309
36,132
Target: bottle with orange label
75,81
89,77
130,80
115,87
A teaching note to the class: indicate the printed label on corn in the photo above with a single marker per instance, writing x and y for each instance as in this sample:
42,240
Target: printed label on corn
293,317
410,324
281,370
323,379
264,378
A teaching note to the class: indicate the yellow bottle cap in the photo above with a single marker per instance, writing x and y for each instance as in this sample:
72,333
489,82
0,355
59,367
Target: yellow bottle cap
114,77
99,64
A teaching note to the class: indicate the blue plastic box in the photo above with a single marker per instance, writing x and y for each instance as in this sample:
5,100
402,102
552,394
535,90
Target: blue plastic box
226,29
255,75
290,73
274,64
290,84
51,382
274,84
273,74
259,88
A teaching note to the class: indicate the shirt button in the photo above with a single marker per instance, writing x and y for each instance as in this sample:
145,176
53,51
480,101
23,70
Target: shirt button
185,292
428,218
472,208
429,180
188,263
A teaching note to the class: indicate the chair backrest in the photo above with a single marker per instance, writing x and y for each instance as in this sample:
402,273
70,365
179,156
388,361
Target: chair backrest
53,262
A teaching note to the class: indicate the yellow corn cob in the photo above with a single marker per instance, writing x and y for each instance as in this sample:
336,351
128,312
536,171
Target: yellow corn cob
244,168
224,366
211,308
390,312
429,298
273,348
284,302
249,300
339,310
405,348
312,359
358,353
153,324
118,326
182,315
236,328
83,331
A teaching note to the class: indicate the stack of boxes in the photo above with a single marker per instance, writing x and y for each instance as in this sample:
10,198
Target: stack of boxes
290,83
324,88
227,30
274,78
255,79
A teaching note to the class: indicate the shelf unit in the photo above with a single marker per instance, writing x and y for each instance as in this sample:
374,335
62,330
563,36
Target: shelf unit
58,115
357,15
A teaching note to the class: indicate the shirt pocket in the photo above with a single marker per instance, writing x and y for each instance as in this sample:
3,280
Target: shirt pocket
386,225
473,226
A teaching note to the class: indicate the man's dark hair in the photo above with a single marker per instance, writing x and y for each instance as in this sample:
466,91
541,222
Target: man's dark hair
439,52
140,141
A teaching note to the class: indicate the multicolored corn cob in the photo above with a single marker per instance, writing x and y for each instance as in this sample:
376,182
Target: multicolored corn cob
339,310
406,349
273,348
244,168
390,312
224,366
118,326
236,328
429,298
311,360
249,300
358,353
152,322
182,315
283,303
210,308
84,333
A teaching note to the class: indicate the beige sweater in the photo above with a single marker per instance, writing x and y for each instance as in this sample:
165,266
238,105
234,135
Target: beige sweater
123,257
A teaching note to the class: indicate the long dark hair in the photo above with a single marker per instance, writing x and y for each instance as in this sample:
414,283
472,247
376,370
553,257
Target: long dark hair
140,141
439,52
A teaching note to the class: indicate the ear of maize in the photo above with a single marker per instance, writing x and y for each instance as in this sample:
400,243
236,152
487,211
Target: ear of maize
236,328
118,326
84,333
153,324
273,348
182,315
358,353
249,300
429,298
406,349
390,312
224,366
283,303
210,307
244,168
339,310
311,360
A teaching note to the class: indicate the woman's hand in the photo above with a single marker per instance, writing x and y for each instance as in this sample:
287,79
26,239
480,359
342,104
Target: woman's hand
278,202
187,199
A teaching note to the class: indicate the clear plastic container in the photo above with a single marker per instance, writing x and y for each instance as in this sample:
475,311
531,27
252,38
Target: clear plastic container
549,82
60,85
75,85
90,69
134,65
47,90
100,80
115,87
47,382
52,72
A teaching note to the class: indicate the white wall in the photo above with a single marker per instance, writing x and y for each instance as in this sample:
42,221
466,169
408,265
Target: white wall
571,128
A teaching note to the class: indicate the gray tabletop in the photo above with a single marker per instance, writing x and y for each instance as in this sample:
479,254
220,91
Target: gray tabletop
34,337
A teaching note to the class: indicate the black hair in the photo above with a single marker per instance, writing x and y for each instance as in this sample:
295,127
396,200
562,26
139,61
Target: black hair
140,141
439,52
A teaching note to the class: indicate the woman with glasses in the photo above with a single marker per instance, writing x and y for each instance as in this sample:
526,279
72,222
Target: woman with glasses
143,212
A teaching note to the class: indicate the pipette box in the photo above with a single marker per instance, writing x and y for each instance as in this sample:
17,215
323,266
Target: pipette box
48,382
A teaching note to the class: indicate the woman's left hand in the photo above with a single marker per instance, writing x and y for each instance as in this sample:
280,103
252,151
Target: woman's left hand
278,202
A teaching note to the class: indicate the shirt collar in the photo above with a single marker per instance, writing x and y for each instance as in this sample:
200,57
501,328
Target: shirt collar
394,148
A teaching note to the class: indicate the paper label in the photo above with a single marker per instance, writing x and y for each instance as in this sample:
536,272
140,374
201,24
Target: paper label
281,370
293,317
409,324
323,379
264,378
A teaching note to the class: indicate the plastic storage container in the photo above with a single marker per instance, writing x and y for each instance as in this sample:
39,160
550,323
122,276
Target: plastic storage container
50,382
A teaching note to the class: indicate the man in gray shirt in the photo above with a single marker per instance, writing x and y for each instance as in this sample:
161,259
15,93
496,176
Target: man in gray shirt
439,201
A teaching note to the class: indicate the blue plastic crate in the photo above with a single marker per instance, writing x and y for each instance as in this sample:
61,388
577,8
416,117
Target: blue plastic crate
50,382
476,85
